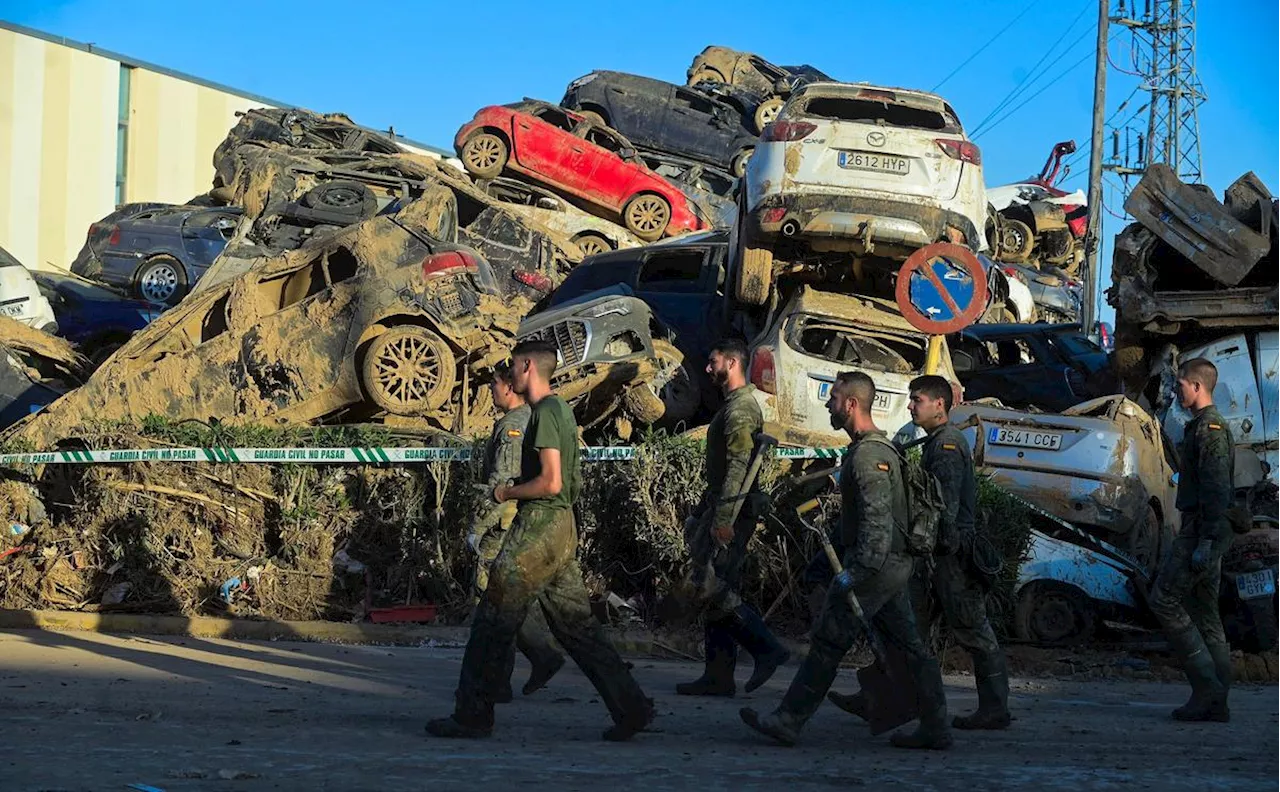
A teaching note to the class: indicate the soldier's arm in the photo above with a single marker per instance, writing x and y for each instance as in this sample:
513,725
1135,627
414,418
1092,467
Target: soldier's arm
739,427
506,465
947,466
874,537
1216,487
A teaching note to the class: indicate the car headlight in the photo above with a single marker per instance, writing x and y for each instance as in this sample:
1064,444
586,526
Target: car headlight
621,307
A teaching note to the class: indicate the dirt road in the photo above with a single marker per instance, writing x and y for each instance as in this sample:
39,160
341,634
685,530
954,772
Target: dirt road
83,711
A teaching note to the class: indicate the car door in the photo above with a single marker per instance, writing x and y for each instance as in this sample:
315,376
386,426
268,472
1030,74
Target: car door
1018,370
544,144
679,287
636,108
693,128
205,234
1236,395
613,179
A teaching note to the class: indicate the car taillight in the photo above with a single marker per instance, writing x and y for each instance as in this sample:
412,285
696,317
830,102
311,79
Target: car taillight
439,263
961,150
774,215
93,229
763,374
114,239
533,280
787,131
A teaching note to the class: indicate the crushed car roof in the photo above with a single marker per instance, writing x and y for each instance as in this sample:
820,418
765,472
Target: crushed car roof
855,310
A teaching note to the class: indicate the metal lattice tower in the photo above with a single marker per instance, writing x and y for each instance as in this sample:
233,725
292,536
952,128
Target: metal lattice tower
1164,55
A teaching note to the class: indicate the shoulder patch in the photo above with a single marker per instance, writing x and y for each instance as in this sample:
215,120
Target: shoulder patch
948,446
883,466
1215,426
514,433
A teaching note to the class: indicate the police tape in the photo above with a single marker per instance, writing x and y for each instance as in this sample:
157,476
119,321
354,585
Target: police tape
327,456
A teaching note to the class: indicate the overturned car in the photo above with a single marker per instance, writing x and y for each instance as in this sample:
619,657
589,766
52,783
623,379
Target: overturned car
390,320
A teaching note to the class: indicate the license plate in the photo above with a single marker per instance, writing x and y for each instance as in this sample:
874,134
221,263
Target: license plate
1023,438
12,310
881,163
881,403
1256,584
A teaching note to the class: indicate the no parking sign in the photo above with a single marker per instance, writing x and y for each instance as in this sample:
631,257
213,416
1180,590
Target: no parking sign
942,288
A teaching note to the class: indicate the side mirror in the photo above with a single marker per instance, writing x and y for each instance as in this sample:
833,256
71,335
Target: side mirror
627,153
546,202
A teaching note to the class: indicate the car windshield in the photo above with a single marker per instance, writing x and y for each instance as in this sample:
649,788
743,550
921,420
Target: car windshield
848,345
895,114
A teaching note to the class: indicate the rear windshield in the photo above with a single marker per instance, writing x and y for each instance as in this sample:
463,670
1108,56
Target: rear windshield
898,115
860,348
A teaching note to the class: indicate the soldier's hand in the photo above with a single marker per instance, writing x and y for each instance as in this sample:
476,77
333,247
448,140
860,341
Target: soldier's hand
1202,556
722,534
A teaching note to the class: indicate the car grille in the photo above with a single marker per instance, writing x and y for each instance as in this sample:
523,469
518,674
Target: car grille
570,338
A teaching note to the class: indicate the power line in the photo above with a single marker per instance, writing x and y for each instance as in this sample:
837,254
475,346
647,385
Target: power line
990,41
1017,89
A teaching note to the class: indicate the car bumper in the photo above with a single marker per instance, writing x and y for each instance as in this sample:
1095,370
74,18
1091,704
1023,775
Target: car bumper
1109,505
877,220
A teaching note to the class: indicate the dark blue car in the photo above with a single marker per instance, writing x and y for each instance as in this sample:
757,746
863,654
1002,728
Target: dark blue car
97,320
155,251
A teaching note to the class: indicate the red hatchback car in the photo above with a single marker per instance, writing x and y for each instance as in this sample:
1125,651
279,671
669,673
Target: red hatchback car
567,152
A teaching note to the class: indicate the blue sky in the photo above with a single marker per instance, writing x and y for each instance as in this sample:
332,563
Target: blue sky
425,67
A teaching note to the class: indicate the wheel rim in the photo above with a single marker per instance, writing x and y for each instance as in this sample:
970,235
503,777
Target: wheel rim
770,112
1054,618
159,283
483,152
341,197
407,370
649,214
1014,239
591,246
744,159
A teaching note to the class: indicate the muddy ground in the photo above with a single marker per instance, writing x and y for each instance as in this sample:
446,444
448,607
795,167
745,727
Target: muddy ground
94,712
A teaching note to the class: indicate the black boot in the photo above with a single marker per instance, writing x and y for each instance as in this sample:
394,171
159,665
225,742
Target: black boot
777,725
630,724
855,704
992,677
465,723
749,630
1208,700
1221,654
932,733
722,658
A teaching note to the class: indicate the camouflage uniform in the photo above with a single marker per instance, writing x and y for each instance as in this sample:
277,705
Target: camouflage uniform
1185,600
873,522
729,621
502,466
538,567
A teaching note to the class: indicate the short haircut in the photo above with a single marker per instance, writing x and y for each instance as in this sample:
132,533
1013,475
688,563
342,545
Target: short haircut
734,348
542,353
502,372
1201,371
934,387
860,387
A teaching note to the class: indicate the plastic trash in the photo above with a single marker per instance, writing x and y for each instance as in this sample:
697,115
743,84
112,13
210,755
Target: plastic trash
19,529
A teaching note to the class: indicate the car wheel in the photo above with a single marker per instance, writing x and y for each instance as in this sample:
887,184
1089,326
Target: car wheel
677,389
755,276
740,161
592,117
408,371
643,403
647,216
592,244
485,155
1144,540
767,111
161,280
1016,240
343,197
706,75
1053,613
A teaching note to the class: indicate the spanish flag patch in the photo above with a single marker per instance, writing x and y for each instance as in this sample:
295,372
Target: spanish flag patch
514,433
883,466
1215,426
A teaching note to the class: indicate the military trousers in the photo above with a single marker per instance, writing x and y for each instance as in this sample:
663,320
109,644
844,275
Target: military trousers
533,639
537,568
1182,597
964,607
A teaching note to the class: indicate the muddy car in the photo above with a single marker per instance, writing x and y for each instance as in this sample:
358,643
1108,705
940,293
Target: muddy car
35,370
1049,367
1102,465
616,360
384,321
294,195
817,335
592,235
759,85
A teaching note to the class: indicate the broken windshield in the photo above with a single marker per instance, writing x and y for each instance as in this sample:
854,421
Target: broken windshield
858,347
892,114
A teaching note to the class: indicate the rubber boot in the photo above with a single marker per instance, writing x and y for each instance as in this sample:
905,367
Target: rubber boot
783,728
630,724
1221,654
932,733
722,659
855,704
992,678
534,642
803,696
464,724
1208,700
749,630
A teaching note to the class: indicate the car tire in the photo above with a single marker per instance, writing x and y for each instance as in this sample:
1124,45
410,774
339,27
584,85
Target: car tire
647,216
408,370
767,111
484,155
343,197
740,160
162,279
1016,240
643,404
1054,614
592,244
706,75
680,395
593,117
754,279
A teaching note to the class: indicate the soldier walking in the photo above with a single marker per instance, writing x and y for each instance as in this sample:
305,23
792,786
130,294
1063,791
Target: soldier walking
717,538
877,566
537,567
501,468
1185,599
956,580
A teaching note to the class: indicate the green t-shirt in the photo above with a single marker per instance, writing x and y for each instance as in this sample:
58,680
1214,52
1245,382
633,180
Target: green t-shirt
552,426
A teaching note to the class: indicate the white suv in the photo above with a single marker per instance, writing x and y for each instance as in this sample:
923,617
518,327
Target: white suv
862,169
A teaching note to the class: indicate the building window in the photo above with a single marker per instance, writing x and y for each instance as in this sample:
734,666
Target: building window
122,135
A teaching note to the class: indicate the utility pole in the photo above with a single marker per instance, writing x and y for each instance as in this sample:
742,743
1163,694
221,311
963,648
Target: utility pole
1093,237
